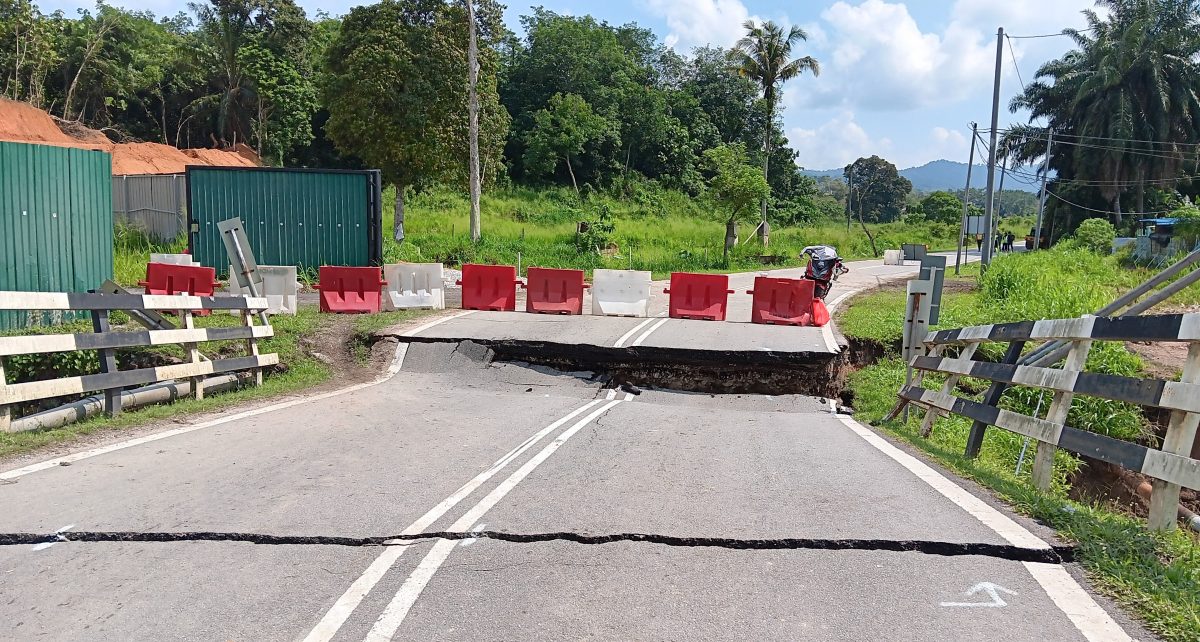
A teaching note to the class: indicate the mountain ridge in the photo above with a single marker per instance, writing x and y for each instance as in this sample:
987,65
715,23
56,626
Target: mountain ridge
940,174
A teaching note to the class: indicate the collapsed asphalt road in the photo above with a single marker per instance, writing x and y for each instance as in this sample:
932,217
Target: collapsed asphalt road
566,508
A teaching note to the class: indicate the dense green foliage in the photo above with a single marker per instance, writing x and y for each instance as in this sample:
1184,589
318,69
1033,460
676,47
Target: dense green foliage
1096,235
1125,113
385,86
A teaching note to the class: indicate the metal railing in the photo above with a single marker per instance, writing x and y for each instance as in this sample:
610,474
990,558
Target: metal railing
1170,467
105,341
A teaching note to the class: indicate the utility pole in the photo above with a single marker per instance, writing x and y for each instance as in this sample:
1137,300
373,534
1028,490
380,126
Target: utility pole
849,197
991,181
1037,231
473,117
1000,194
962,230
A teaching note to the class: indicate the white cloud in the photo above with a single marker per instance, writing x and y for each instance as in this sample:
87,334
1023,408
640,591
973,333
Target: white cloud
949,143
695,23
880,59
835,143
1022,17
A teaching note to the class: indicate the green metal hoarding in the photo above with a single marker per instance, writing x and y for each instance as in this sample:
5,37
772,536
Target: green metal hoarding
56,222
301,217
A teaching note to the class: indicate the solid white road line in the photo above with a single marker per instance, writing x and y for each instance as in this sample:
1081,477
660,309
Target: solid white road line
397,363
419,329
345,605
393,616
1087,616
647,333
625,337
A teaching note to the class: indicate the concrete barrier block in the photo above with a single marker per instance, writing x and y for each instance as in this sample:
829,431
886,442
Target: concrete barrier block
414,285
621,293
893,257
279,287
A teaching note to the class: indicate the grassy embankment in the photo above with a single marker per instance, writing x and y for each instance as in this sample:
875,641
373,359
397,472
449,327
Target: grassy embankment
1155,575
663,231
293,342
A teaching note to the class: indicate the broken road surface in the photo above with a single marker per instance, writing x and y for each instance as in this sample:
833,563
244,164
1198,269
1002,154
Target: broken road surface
574,510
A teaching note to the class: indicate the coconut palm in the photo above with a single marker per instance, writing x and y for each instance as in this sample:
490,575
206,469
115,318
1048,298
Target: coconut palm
764,54
1125,101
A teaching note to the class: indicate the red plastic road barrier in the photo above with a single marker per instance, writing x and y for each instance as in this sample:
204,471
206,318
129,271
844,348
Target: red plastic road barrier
350,289
167,278
782,301
698,296
820,313
551,291
489,287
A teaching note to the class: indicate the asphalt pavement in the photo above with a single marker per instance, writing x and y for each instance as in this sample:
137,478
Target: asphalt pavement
588,513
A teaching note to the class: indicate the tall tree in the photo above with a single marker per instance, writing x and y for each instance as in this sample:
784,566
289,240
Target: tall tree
735,185
1123,104
765,54
395,94
28,50
284,101
877,191
563,130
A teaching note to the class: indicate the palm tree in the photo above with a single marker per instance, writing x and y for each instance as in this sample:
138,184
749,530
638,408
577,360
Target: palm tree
1124,100
765,55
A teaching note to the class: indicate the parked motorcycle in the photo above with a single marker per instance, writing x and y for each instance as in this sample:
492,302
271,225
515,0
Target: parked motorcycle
824,268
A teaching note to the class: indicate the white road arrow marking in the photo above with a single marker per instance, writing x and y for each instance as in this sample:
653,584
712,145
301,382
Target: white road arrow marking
993,591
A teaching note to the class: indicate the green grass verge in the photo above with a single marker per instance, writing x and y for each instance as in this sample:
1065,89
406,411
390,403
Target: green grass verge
1155,575
300,371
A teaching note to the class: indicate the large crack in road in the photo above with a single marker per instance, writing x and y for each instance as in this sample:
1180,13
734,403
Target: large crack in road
1051,555
763,372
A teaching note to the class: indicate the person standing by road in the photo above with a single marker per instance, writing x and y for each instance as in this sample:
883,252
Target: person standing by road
997,243
979,241
1008,240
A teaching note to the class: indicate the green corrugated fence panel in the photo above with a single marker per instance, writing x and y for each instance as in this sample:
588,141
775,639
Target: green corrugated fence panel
306,218
56,225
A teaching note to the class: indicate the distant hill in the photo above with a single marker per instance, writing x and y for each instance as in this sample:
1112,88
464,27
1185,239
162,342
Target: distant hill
940,175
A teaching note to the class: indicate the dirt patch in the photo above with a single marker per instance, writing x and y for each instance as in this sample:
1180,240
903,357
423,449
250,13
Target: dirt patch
1161,360
23,123
1116,488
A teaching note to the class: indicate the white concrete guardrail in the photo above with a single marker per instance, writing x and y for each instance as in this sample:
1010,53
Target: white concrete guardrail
1170,467
105,341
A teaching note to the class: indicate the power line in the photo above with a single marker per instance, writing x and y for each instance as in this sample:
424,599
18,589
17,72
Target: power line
1013,54
1040,136
1113,183
1053,35
1105,212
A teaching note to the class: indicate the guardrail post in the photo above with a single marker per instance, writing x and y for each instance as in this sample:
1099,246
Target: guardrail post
252,345
1181,434
991,398
108,364
931,413
5,413
1060,407
193,354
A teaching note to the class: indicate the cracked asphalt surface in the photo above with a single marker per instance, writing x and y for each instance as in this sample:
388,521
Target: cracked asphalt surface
582,500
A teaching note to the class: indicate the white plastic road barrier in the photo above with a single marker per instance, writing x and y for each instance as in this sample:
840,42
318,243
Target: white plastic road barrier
173,259
279,287
414,285
621,293
893,257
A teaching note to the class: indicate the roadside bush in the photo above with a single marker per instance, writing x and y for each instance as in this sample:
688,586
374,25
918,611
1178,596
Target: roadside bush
1097,235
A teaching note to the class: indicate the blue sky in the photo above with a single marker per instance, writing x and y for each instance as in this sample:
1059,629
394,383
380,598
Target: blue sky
899,79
